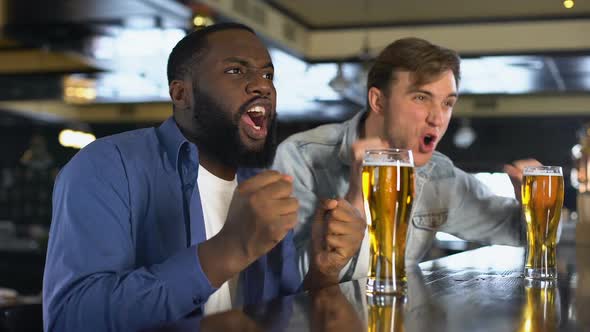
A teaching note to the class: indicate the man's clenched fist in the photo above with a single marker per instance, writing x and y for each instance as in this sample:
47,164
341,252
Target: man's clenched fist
261,213
337,232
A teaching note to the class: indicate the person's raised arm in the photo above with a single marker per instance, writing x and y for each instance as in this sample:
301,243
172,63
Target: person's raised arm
289,160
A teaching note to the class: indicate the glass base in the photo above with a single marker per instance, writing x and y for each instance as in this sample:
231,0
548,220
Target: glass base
540,283
382,286
540,273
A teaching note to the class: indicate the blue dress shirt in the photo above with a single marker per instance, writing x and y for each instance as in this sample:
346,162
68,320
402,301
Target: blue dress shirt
122,251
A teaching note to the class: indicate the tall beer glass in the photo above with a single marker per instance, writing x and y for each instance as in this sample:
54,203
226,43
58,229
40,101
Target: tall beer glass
542,199
388,190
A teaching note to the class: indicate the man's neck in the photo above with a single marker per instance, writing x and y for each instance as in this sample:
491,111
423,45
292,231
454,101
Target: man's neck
372,126
216,168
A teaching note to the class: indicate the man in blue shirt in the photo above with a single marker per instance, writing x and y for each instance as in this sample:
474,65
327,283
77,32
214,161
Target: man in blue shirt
131,243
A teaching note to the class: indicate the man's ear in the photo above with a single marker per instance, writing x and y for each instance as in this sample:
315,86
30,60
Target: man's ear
376,100
180,94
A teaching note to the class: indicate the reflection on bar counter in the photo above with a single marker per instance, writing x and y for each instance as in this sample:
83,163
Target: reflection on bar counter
541,308
385,313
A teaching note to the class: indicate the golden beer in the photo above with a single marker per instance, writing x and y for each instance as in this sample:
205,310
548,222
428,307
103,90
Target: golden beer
388,189
542,199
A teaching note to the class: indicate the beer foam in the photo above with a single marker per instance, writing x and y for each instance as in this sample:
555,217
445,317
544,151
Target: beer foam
387,163
550,172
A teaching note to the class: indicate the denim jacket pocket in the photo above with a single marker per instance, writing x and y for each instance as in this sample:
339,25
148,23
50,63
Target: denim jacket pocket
430,221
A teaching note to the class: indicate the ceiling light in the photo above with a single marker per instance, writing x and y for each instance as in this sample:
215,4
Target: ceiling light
577,151
202,21
465,135
339,83
75,139
568,4
79,90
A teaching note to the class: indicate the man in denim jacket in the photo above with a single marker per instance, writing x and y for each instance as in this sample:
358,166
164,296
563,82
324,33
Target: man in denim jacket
411,91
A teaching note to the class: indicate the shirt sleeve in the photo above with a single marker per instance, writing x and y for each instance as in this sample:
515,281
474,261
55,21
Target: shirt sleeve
479,215
290,160
92,280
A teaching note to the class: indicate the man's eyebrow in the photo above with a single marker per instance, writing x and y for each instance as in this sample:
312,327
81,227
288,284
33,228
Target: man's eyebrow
245,62
414,90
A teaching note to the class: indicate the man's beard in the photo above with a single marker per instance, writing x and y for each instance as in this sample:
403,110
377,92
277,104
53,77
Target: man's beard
218,135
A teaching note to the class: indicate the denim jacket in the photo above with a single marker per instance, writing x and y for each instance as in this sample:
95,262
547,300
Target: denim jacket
446,198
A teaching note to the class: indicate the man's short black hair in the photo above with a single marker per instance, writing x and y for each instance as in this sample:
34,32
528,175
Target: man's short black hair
193,45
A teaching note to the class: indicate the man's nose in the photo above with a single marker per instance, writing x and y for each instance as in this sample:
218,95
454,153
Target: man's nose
258,84
435,116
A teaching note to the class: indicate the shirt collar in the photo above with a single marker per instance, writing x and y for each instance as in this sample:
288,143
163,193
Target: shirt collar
351,134
172,140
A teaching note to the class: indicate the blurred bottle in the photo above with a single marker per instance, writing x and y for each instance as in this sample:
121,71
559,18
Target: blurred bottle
581,156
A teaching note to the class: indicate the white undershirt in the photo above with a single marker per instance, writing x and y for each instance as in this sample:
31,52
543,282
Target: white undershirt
216,195
361,269
362,265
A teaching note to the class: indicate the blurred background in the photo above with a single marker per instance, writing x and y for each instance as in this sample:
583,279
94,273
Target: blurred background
75,70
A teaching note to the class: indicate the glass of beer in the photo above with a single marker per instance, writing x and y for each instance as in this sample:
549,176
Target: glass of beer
388,190
542,199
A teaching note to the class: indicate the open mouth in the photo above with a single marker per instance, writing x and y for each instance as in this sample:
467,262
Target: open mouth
428,143
256,115
255,119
